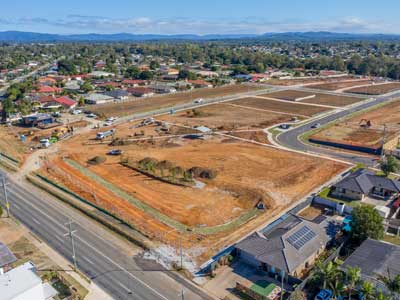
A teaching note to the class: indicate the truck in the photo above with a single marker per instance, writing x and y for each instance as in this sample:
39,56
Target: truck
104,134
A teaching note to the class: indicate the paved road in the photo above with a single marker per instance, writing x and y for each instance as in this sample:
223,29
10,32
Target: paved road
104,261
290,139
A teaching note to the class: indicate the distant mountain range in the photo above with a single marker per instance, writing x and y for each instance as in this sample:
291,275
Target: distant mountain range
29,37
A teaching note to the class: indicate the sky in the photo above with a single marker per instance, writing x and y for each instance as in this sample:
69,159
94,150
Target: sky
199,17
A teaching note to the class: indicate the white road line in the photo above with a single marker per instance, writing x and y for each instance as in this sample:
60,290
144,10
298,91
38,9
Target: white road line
124,287
59,239
36,221
122,269
15,206
89,261
100,253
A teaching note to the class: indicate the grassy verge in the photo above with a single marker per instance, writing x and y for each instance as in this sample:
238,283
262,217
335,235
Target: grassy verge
392,239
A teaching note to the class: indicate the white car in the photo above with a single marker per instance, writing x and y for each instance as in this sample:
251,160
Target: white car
316,125
91,115
108,123
198,101
76,112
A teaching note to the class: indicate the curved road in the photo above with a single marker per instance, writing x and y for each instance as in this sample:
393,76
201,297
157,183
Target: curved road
291,138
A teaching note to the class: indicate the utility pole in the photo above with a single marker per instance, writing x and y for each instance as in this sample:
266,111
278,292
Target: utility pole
180,249
71,233
183,295
4,185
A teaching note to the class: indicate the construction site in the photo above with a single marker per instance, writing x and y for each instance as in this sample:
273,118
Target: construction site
179,183
364,132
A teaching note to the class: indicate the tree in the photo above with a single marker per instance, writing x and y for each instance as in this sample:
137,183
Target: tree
368,291
297,295
66,67
325,274
337,285
154,65
132,72
391,283
146,75
86,87
389,165
8,107
353,279
366,223
185,74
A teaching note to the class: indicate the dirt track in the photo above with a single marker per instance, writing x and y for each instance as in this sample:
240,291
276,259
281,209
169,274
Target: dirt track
377,89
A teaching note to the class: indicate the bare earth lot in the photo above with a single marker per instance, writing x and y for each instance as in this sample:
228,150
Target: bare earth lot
333,86
277,178
141,105
224,116
320,98
377,89
280,106
11,144
350,132
306,81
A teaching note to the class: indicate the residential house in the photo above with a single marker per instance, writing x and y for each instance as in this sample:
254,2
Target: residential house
203,73
288,248
98,99
118,94
375,259
72,85
23,283
37,119
162,89
133,82
48,90
66,102
6,258
141,92
200,83
363,183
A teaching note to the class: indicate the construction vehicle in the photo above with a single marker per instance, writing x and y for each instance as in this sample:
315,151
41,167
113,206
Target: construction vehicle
364,123
61,132
103,135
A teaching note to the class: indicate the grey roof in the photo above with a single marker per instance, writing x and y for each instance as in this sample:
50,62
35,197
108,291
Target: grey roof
6,256
98,97
274,248
363,181
375,258
117,93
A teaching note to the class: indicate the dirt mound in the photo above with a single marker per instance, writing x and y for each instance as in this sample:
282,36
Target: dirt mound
97,160
204,173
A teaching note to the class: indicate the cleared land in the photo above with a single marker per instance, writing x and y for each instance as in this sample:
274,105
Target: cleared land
350,131
279,106
218,213
376,89
333,86
11,144
224,116
141,105
320,98
307,81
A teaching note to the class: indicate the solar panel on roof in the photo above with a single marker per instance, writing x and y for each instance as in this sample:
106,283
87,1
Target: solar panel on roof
301,237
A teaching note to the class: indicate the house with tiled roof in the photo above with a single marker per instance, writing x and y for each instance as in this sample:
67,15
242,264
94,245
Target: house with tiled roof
364,183
66,102
288,248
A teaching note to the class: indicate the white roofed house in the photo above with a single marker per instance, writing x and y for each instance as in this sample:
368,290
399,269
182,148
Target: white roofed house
23,283
98,99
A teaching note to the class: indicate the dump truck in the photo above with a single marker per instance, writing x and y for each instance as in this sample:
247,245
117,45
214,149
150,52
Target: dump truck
104,134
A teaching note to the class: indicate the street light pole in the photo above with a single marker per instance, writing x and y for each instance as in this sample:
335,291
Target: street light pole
71,233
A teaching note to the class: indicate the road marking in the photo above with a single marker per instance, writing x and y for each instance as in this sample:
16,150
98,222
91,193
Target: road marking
15,205
89,261
100,253
36,221
122,269
124,287
60,239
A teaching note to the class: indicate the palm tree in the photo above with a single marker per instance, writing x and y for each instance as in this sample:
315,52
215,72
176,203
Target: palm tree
368,291
392,284
337,285
353,279
326,273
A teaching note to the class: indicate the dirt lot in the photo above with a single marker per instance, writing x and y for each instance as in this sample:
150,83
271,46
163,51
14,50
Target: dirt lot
349,131
153,103
10,143
224,116
377,89
265,174
324,99
307,81
333,86
279,106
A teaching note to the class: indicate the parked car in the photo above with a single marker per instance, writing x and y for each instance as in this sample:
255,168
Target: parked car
316,125
108,123
91,115
76,112
199,101
115,152
324,295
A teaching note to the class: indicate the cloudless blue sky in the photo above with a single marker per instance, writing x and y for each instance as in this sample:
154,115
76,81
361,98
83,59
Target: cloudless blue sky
206,16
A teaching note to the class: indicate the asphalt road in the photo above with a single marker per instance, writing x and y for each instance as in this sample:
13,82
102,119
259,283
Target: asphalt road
290,138
120,275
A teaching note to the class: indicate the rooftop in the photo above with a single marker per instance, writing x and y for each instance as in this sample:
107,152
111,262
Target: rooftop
6,256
